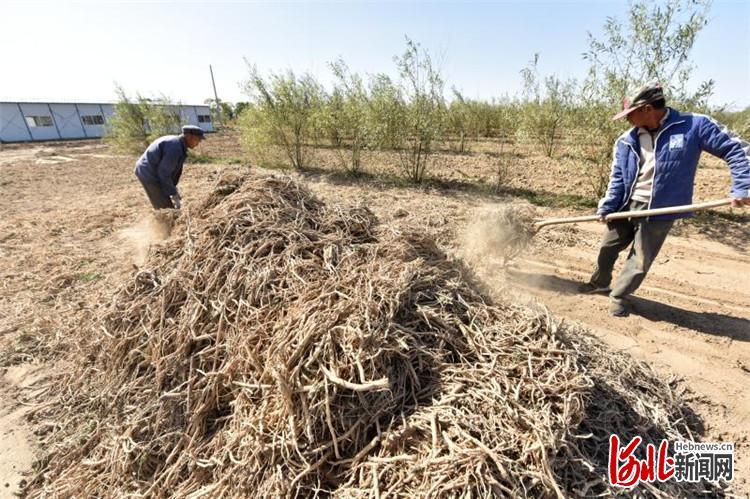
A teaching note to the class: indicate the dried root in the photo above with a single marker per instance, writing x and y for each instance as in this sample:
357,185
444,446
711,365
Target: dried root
279,347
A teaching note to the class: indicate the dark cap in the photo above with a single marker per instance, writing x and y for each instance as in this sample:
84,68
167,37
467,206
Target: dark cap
193,130
646,94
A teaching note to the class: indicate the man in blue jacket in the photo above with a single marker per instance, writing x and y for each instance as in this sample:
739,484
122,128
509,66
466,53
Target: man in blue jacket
159,168
654,166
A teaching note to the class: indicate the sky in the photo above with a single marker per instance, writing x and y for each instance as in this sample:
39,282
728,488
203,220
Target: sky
65,51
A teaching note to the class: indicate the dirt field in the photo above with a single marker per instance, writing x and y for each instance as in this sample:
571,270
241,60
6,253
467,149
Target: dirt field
74,221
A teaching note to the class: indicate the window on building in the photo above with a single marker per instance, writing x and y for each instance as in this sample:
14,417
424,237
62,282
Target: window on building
39,120
204,118
93,119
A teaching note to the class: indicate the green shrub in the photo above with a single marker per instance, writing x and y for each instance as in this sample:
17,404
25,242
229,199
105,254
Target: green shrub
346,118
546,112
465,121
423,110
283,117
139,121
386,111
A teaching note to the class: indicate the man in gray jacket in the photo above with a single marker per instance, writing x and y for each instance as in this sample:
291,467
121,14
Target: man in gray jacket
159,168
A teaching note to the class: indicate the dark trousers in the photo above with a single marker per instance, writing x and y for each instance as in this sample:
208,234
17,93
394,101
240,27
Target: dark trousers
158,199
646,236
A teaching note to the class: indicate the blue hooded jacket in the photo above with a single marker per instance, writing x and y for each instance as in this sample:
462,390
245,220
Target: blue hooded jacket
161,164
678,146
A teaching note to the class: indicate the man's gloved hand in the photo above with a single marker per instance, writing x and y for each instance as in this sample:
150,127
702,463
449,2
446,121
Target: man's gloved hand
740,202
176,201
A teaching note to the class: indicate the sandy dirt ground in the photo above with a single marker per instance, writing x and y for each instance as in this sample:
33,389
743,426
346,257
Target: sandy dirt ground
74,222
17,451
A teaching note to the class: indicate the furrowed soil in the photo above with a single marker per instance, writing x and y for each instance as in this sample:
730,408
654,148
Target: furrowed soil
74,221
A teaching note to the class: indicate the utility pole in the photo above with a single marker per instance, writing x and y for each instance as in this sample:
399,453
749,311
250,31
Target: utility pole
216,97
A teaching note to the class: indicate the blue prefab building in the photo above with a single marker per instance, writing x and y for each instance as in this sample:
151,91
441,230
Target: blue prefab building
37,121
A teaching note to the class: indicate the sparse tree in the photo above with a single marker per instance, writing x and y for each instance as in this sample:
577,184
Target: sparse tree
347,116
386,113
547,107
285,114
331,119
239,107
462,121
422,87
136,122
223,113
654,41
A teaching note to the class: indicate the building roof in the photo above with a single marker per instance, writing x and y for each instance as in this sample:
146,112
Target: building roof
90,103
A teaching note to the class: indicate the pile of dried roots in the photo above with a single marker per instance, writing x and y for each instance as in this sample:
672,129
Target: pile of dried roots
279,347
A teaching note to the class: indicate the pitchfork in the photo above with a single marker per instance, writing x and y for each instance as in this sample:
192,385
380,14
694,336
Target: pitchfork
636,214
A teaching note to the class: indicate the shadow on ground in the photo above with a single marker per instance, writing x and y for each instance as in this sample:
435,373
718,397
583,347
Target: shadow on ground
706,322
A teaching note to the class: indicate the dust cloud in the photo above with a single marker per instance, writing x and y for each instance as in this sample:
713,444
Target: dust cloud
156,227
497,234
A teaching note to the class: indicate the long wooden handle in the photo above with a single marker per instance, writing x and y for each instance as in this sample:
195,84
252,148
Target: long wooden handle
637,214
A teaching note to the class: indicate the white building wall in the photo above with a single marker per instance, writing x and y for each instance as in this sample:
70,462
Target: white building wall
208,126
12,125
92,110
188,115
48,132
67,120
109,110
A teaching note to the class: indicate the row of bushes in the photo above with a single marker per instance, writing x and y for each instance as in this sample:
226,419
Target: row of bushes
290,114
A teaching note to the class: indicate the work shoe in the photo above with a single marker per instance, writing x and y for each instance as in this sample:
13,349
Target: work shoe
589,288
619,309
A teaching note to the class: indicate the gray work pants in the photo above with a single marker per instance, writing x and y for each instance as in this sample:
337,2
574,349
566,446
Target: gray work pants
158,199
646,236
